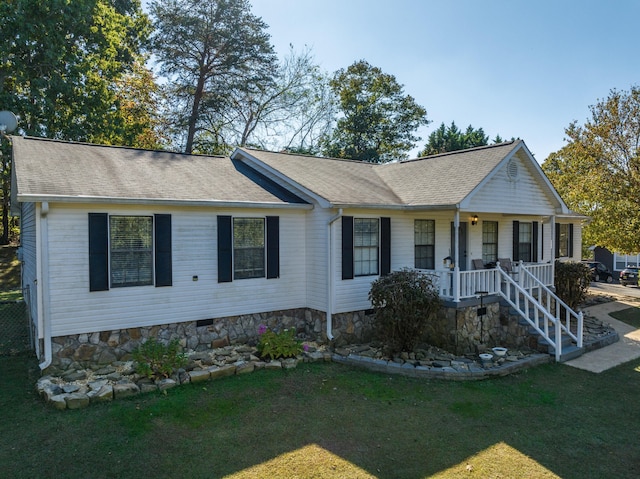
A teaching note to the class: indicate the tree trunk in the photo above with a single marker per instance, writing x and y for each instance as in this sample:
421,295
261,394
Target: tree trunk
193,118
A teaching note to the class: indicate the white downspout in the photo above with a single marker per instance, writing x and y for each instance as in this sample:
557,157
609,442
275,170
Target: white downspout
44,289
330,267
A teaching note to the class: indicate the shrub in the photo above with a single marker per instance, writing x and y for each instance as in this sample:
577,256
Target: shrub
158,360
571,282
404,302
274,345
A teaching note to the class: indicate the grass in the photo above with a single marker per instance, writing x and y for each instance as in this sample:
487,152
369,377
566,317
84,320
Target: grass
631,316
9,271
330,421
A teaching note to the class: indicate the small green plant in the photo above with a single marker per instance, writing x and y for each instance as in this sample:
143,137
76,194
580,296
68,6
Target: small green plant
572,282
404,302
274,345
157,360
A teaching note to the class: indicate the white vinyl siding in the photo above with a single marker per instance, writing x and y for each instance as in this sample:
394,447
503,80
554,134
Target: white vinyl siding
520,196
75,310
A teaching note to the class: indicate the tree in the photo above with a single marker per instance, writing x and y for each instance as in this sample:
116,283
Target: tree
598,172
377,120
60,66
452,139
291,112
59,61
209,50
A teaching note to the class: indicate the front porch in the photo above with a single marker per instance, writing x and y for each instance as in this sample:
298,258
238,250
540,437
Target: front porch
526,289
456,285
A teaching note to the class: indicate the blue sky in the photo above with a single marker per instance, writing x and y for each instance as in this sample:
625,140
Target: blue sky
516,68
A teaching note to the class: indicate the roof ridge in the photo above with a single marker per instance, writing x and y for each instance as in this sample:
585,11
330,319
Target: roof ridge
306,155
466,150
120,147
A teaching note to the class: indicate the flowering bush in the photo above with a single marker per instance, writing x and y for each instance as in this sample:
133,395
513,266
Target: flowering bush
274,345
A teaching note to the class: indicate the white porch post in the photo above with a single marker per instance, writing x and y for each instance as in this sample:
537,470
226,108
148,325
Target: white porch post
552,254
456,259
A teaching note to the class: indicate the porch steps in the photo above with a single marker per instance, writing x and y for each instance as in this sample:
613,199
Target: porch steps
569,348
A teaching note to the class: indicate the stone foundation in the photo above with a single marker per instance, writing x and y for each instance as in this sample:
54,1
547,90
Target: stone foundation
461,330
105,347
456,329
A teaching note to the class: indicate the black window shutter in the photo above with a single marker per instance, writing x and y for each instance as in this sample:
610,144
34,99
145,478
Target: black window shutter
225,250
385,246
534,241
516,241
273,247
98,252
571,240
164,267
557,245
347,247
542,241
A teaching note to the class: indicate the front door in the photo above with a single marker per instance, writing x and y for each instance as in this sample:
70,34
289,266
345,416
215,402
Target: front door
462,244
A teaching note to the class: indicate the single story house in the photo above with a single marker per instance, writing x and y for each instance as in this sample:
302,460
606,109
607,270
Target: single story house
119,244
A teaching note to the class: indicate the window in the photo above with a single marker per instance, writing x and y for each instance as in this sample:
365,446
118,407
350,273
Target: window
365,246
248,248
131,250
621,261
563,240
489,241
524,242
424,239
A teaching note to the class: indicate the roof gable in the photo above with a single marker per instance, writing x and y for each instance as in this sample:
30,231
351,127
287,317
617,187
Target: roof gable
439,180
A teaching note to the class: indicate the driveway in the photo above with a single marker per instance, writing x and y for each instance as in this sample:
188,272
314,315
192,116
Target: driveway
616,289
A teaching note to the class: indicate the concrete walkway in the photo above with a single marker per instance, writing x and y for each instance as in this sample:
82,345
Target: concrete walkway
627,349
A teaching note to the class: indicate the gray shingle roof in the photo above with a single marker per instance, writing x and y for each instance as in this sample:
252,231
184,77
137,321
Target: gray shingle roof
49,168
444,179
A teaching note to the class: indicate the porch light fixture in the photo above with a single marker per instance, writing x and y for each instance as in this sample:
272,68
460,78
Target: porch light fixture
474,220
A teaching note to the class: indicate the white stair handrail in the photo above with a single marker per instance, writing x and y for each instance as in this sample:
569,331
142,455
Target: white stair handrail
569,312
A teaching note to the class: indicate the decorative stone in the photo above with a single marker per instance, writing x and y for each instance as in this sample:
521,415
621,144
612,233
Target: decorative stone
70,388
245,367
58,401
222,371
273,364
166,383
289,363
77,401
198,376
147,387
105,393
75,376
124,390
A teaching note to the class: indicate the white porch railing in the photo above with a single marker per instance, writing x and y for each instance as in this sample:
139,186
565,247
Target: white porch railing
456,285
526,289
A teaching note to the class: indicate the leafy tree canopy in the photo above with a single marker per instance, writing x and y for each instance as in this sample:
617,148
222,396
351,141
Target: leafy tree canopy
598,172
451,138
377,121
211,52
61,61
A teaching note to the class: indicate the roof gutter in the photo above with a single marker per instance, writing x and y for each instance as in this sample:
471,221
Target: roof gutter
163,201
331,268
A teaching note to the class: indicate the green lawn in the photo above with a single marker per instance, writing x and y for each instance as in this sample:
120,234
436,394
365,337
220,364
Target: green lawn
330,421
631,316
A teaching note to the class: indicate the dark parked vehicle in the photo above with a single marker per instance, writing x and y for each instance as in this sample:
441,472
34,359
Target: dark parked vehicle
629,275
599,272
